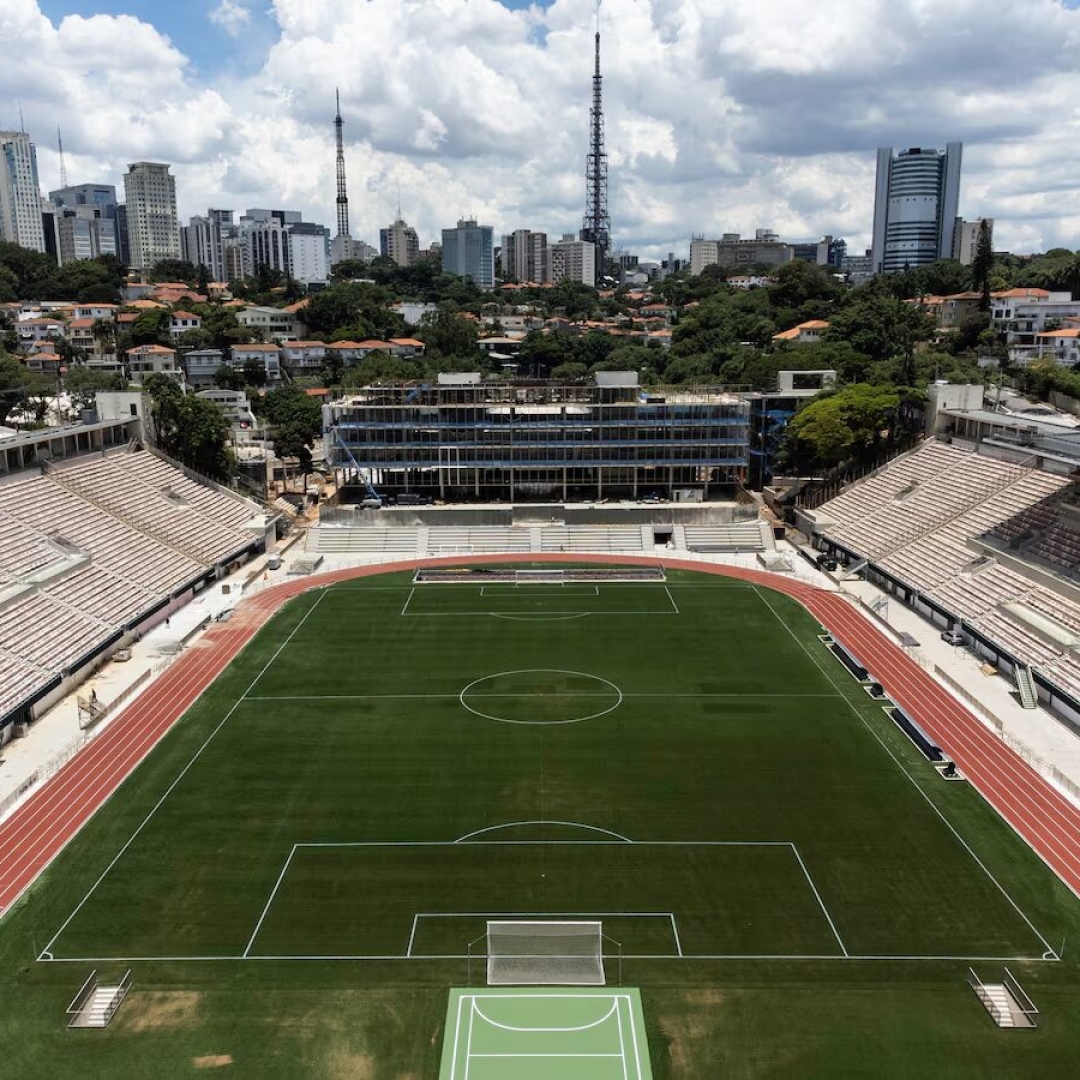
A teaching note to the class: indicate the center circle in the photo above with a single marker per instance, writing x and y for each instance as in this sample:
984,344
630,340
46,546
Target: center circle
535,696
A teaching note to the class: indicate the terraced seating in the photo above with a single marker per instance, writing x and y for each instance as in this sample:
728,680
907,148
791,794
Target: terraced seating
479,538
48,635
22,551
326,540
108,483
591,538
732,536
18,681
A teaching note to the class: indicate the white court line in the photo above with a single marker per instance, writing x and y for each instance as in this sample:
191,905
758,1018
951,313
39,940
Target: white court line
457,1037
270,900
622,1041
468,1041
914,783
821,903
183,772
634,1038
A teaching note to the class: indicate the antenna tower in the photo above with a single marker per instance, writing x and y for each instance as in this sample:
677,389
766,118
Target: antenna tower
63,167
596,225
342,194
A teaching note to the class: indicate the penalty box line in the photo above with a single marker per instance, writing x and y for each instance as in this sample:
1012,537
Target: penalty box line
548,915
525,590
622,841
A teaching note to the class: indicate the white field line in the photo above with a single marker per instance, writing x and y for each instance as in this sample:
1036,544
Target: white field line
634,1038
675,934
408,600
183,772
821,903
672,599
269,901
442,697
914,783
666,957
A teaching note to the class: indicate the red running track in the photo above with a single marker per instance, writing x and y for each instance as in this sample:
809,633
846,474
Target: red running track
36,833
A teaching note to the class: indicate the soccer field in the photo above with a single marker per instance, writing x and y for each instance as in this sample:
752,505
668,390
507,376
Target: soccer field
391,764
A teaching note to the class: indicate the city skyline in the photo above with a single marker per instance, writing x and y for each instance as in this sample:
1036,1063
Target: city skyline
483,111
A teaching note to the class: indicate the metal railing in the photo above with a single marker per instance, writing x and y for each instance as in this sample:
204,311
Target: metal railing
1020,996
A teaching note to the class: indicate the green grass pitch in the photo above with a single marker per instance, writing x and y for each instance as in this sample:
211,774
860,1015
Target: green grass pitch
296,874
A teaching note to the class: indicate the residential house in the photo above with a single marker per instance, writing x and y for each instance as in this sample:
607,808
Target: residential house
1063,346
803,334
146,360
407,347
273,323
200,365
180,322
303,357
267,355
237,410
44,359
31,331
348,352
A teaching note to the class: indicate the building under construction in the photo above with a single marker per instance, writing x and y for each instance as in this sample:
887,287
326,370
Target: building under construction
464,439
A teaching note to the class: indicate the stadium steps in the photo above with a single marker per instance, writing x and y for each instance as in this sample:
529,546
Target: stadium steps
1025,683
998,1004
731,536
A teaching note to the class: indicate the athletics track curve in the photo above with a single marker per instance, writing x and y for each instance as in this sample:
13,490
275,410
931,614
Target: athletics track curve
36,833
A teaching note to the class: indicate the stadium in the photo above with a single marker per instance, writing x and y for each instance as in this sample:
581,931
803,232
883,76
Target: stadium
587,791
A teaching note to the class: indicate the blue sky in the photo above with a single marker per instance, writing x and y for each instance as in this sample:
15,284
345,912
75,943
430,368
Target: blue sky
721,115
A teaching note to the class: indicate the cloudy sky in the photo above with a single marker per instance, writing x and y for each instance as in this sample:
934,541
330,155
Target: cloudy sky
722,115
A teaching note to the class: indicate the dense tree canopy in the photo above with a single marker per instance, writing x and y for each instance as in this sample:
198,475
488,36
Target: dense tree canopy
189,428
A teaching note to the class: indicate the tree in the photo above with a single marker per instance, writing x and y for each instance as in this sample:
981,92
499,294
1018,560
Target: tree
446,333
189,428
151,327
852,423
84,383
175,270
254,372
983,263
296,422
225,378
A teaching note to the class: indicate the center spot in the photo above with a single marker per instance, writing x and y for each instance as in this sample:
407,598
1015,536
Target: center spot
541,696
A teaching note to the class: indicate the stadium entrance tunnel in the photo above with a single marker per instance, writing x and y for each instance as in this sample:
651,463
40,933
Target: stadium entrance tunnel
541,696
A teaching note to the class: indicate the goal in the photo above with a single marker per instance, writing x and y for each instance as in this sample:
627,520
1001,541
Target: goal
531,953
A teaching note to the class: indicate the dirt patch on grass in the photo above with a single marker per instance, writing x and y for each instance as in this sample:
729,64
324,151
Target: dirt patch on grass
212,1061
345,1063
686,1029
150,1009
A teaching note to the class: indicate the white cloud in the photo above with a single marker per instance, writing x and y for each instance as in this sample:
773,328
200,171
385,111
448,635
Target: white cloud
231,16
722,115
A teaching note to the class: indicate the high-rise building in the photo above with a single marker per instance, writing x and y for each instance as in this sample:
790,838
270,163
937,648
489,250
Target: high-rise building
915,206
525,257
153,227
469,251
400,243
202,242
85,221
573,260
280,240
20,192
966,239
82,233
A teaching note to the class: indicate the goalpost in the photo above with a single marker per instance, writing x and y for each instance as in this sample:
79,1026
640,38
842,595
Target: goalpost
531,953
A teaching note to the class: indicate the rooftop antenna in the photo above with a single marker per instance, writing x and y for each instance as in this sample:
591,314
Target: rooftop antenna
63,167
22,122
399,201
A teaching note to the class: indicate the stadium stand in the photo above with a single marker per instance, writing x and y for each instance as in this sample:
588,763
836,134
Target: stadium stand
89,549
921,520
734,536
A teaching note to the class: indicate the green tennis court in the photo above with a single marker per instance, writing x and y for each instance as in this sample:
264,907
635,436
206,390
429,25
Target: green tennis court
576,1034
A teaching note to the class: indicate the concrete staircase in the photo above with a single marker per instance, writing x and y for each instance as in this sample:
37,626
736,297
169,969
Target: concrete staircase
998,1003
1025,683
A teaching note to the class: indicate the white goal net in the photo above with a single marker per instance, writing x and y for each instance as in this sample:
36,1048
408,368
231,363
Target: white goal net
530,953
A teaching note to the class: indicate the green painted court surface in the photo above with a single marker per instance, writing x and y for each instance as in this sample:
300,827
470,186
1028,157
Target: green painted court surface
309,858
572,1034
